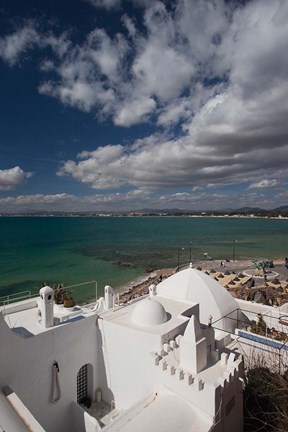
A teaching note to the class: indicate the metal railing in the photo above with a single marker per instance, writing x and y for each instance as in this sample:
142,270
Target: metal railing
80,284
12,298
25,295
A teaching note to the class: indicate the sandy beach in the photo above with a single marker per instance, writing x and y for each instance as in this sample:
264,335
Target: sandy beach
233,269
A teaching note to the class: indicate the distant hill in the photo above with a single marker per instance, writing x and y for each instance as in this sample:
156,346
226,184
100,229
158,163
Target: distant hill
250,210
282,209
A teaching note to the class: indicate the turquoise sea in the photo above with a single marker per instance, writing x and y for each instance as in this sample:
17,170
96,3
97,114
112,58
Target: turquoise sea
116,250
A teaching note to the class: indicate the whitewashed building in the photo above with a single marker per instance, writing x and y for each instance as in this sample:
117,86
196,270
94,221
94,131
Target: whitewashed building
154,364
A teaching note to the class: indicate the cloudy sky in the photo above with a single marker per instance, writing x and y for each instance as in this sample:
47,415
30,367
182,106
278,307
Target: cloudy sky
132,104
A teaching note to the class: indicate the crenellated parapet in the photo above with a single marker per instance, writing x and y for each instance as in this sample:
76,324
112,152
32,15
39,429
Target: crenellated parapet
202,390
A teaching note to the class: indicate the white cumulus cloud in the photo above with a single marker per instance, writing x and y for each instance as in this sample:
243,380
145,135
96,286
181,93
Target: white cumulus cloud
210,77
10,178
13,45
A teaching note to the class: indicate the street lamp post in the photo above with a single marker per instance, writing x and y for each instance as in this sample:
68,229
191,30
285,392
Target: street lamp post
178,251
234,246
190,244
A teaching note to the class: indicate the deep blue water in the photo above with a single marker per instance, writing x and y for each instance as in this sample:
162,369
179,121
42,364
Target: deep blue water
115,250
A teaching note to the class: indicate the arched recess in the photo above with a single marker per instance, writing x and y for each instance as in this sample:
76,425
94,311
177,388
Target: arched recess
84,382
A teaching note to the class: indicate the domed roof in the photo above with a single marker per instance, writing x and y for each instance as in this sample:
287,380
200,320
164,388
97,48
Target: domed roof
191,285
149,312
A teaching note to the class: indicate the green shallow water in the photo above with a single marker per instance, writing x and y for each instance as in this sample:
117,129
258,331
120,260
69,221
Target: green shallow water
72,250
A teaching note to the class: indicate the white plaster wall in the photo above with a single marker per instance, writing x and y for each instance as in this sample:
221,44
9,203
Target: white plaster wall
203,399
132,373
129,369
166,337
234,420
82,420
26,366
123,368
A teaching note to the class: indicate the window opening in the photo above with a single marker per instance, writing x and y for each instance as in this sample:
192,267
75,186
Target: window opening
82,383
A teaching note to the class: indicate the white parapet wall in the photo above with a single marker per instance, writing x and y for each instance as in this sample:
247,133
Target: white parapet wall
22,411
84,421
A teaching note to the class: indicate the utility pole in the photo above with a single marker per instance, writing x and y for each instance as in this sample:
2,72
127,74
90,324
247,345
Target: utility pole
234,246
178,250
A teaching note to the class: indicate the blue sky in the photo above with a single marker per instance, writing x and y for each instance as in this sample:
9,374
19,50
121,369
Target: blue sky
131,104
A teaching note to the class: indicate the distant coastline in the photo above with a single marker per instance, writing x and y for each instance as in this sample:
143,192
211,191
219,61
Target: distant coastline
280,213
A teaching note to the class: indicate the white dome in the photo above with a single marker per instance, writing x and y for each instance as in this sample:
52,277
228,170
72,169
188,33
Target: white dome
194,286
149,312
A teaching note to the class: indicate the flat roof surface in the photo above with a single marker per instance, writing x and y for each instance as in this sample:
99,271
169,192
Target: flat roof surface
123,315
26,322
24,319
162,412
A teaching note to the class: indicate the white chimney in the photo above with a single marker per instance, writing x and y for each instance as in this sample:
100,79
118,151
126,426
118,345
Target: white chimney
46,306
108,297
152,290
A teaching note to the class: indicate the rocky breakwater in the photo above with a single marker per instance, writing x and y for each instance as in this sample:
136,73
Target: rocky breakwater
139,288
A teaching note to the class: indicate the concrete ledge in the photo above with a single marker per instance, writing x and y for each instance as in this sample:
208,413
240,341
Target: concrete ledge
19,306
9,420
22,411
